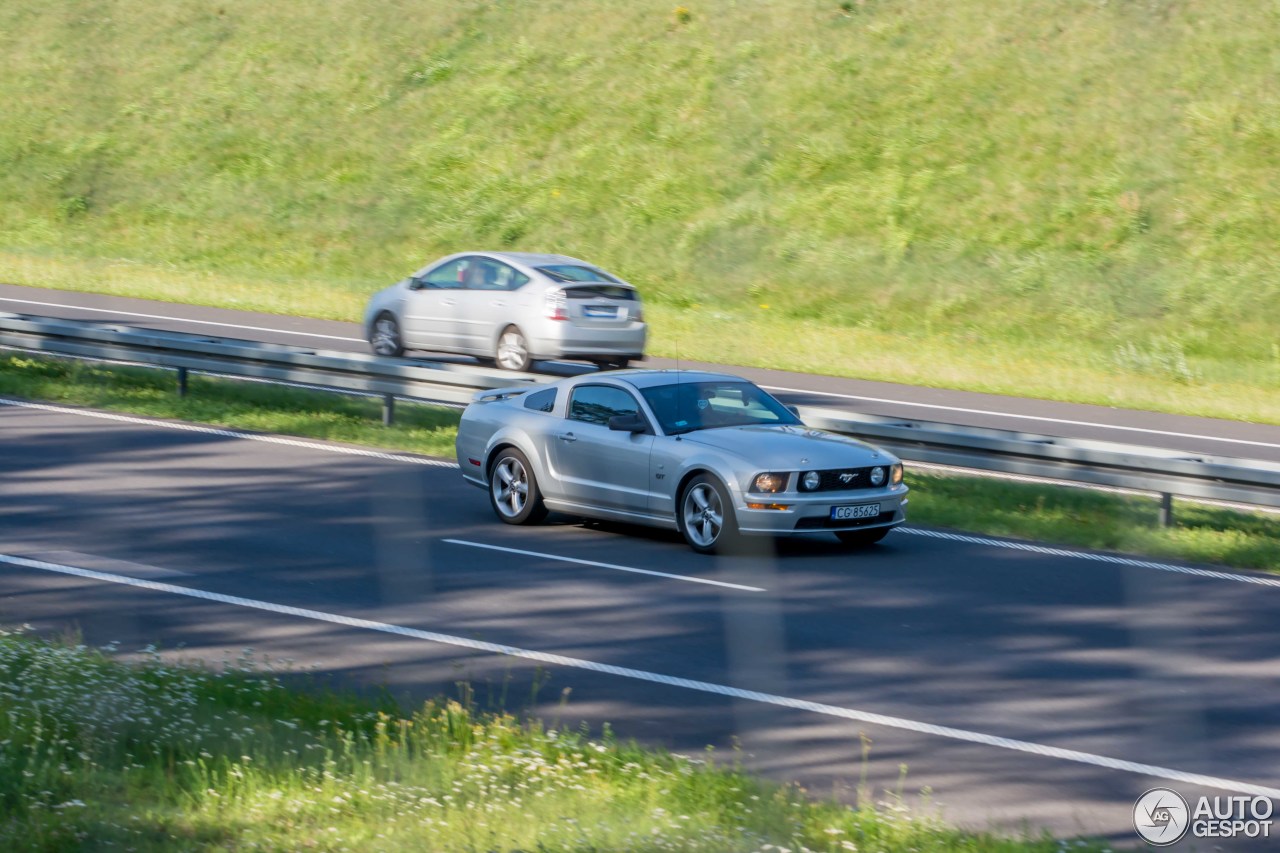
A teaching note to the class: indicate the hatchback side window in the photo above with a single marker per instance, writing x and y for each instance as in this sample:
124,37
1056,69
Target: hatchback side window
451,275
488,274
595,404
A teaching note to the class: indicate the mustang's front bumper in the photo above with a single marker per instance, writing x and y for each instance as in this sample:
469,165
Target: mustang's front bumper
792,513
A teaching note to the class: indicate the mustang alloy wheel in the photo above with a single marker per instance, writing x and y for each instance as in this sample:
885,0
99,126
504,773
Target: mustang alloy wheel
706,515
513,490
513,350
385,338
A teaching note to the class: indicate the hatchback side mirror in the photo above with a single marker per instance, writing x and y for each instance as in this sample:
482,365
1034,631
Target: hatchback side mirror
628,423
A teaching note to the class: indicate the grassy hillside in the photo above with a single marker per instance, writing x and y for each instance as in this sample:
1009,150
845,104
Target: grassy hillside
1073,198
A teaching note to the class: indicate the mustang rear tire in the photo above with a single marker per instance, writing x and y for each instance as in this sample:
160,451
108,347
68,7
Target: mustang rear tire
862,538
705,516
513,490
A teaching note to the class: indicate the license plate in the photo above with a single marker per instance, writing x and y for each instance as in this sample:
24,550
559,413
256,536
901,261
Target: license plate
600,311
847,513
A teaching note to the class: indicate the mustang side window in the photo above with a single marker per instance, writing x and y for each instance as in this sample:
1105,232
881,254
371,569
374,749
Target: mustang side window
541,401
595,404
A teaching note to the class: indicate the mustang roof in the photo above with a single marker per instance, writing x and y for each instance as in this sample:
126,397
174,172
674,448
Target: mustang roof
651,378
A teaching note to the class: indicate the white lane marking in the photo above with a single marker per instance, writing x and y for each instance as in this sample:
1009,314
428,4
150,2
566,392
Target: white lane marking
603,565
1085,555
181,320
106,564
1144,430
441,463
227,433
981,738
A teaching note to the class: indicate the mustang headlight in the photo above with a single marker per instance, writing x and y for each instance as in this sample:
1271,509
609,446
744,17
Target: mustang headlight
877,476
770,481
895,477
811,480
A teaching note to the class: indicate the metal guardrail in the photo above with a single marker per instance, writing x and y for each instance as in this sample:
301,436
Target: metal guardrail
356,372
1148,469
1126,466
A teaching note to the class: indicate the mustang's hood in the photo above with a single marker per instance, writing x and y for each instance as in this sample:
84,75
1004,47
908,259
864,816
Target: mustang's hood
791,447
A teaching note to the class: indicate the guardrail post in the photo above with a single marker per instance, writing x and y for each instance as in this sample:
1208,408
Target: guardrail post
388,409
1166,509
182,382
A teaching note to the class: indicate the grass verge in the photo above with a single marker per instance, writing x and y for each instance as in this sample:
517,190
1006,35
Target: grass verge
1067,516
153,755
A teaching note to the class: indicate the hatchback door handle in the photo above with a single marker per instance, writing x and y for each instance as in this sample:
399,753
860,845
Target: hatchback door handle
567,436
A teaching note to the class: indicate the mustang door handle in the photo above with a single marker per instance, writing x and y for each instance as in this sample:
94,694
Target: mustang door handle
567,436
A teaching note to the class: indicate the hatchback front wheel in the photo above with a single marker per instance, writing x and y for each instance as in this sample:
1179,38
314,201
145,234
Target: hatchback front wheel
385,339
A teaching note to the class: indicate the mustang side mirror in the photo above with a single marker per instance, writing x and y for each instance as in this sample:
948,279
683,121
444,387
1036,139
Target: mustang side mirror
794,410
628,423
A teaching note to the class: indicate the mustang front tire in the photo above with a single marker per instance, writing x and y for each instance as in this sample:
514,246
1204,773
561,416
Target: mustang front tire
706,517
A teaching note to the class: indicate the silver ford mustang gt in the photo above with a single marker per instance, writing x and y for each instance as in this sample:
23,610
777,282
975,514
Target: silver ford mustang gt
708,454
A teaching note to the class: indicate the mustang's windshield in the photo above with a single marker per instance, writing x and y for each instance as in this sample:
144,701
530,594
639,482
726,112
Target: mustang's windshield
687,406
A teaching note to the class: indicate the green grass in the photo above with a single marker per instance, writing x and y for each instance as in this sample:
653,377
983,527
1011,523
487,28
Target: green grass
243,405
165,755
1071,199
1045,513
1128,524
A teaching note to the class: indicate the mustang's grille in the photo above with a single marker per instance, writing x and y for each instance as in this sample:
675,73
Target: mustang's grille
843,480
819,522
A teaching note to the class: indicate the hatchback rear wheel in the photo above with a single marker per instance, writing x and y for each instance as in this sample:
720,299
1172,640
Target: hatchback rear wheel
513,350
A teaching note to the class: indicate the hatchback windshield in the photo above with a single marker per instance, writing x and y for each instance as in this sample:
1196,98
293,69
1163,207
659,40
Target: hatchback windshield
687,406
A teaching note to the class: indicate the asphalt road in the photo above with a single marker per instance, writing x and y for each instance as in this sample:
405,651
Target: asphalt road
1196,436
1015,684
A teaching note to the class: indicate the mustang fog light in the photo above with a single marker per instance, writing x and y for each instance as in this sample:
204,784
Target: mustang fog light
769,482
769,506
811,480
877,476
896,476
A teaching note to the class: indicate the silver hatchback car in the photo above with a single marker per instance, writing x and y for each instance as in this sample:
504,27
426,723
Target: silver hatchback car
510,308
